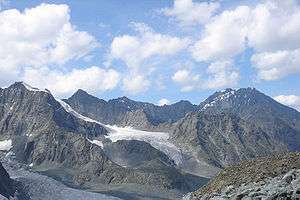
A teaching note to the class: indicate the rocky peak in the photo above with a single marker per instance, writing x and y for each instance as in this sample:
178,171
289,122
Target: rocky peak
230,98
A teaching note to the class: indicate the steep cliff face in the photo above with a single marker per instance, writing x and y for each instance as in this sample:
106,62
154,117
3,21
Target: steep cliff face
7,185
223,139
280,121
125,112
236,125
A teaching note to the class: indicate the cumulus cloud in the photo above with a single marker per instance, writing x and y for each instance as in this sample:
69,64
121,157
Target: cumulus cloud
186,79
289,100
93,79
133,50
271,28
188,13
223,37
37,38
163,102
276,65
221,74
135,84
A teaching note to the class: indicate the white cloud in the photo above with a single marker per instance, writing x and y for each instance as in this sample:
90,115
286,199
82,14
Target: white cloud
273,66
135,84
186,79
221,74
93,80
289,100
181,76
136,50
163,101
271,28
224,36
39,36
188,13
275,26
133,50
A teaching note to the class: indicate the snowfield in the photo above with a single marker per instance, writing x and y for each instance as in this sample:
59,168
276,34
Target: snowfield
5,145
158,140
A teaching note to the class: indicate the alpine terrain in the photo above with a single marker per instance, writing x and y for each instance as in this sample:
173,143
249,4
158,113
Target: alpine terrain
86,147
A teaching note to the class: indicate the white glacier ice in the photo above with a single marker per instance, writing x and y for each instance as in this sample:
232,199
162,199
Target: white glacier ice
5,145
158,140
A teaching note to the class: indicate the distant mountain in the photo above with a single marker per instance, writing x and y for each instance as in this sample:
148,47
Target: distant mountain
272,177
125,112
235,125
50,136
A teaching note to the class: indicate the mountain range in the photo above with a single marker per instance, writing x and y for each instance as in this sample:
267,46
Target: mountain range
116,145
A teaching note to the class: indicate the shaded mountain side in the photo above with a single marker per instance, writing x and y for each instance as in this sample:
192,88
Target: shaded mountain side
251,105
52,138
126,112
222,139
252,171
133,153
235,125
7,185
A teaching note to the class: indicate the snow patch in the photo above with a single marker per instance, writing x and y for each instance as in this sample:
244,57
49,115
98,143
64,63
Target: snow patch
33,89
70,110
31,165
222,97
96,142
5,145
158,140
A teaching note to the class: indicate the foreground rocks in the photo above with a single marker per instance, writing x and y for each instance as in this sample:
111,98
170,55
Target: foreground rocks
275,177
7,185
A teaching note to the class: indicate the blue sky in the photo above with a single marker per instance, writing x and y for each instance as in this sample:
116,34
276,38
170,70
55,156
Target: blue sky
153,49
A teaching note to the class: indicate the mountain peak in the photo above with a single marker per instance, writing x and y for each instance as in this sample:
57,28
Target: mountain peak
28,87
231,97
80,92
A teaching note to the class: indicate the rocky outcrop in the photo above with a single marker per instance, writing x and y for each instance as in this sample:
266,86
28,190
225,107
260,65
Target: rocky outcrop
125,112
272,177
7,185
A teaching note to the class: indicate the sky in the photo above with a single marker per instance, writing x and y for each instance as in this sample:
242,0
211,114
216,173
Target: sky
159,51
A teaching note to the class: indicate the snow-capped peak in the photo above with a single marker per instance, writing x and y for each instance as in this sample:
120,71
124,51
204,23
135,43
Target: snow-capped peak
33,89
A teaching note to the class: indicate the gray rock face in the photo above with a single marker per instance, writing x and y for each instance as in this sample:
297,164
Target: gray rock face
274,177
223,139
126,112
7,185
279,121
133,153
236,125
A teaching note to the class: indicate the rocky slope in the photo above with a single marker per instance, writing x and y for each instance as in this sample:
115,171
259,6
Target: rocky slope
7,185
125,112
273,177
236,125
133,153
